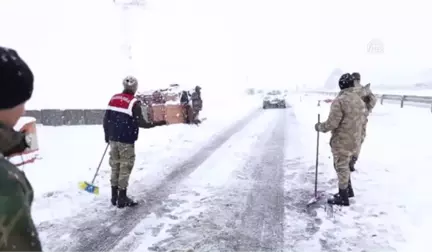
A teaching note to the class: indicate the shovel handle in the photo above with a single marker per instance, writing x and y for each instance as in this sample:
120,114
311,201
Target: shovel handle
317,159
100,163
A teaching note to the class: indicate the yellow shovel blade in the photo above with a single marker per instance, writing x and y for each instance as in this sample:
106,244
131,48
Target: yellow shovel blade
88,187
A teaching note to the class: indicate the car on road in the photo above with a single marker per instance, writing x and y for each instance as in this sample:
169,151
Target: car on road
274,99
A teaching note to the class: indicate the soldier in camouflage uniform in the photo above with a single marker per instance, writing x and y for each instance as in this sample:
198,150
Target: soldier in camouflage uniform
196,104
17,229
345,121
187,109
122,121
370,100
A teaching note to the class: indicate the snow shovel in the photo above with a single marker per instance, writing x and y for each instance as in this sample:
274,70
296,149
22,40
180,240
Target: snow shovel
90,187
316,197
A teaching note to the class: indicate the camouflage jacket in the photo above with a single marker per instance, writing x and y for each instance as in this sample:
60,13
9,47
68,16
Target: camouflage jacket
367,96
345,121
17,230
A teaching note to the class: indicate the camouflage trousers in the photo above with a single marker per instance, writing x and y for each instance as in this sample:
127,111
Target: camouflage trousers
341,165
122,160
191,114
195,114
363,136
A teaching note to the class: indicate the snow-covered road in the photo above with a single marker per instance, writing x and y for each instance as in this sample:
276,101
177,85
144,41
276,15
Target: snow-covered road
241,210
244,187
120,223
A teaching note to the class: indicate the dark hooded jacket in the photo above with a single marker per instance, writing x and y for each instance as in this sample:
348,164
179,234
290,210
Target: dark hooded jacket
122,124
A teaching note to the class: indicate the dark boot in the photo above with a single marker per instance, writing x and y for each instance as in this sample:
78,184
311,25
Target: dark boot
340,199
114,195
350,190
352,163
124,200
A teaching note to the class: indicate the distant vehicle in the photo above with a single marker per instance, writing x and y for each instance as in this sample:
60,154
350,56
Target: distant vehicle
274,99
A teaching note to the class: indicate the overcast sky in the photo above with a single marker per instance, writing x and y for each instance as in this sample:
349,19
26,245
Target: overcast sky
227,42
75,45
402,26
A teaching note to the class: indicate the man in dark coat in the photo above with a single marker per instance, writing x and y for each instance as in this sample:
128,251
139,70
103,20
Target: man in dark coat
122,121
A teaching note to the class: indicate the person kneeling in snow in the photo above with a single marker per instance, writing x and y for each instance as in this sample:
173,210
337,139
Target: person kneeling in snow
121,124
17,229
345,121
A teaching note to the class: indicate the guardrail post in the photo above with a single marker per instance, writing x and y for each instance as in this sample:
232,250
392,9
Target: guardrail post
382,99
402,100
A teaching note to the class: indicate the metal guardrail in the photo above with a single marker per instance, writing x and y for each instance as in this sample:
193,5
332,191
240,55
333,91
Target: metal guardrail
401,99
57,117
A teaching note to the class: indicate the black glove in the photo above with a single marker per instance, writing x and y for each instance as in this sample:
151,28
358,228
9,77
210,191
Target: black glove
367,99
19,148
106,139
352,163
317,126
148,125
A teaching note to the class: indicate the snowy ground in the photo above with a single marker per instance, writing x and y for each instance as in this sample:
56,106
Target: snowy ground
392,201
233,185
71,153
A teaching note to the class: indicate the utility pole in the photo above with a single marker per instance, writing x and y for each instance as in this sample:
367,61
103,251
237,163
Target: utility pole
125,7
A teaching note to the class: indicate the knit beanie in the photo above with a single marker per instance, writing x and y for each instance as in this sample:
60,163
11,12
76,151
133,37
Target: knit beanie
130,83
16,79
346,81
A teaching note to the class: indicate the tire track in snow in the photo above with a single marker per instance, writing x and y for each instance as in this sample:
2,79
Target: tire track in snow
263,221
246,215
196,194
104,233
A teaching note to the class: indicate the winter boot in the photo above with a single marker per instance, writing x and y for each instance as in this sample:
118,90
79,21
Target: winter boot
350,190
124,200
352,163
340,199
114,195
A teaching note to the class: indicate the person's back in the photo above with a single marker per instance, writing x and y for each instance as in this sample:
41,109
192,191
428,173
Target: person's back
184,98
346,137
17,230
121,124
